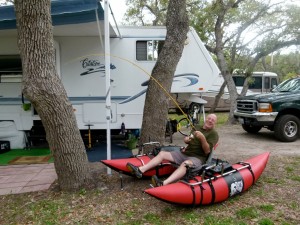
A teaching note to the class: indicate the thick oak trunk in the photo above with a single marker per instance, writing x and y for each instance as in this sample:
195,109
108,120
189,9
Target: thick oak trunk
156,104
43,87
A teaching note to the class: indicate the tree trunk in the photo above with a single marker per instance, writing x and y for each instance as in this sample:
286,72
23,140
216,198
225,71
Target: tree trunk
43,87
217,98
156,103
224,68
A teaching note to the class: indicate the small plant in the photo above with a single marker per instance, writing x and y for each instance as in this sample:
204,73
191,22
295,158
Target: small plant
131,141
82,191
26,106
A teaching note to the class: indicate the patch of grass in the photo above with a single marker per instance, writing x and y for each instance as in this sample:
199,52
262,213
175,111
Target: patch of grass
293,205
45,210
191,217
168,210
266,208
129,214
258,192
272,180
266,221
212,220
286,223
10,155
296,160
295,178
289,169
234,199
135,201
153,218
249,213
82,191
222,118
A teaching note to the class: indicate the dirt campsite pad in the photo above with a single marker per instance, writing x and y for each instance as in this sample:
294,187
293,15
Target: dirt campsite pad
235,142
274,199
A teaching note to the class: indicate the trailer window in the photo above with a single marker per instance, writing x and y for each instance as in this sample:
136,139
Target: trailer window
267,82
148,50
10,69
239,81
255,82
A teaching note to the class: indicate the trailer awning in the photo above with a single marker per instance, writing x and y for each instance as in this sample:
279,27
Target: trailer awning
63,12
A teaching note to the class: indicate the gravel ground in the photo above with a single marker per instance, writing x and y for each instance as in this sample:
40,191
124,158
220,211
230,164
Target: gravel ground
235,142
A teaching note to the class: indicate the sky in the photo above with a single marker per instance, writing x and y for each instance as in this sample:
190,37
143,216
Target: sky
118,7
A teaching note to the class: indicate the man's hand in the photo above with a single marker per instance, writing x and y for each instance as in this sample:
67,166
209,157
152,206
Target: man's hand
198,135
201,137
182,149
187,139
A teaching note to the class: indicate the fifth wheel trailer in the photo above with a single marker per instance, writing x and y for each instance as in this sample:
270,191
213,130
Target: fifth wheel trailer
80,62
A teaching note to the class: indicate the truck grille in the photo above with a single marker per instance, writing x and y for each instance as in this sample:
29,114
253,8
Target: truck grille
248,106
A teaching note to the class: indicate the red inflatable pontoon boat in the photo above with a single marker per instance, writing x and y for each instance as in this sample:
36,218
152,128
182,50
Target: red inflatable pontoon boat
204,190
119,165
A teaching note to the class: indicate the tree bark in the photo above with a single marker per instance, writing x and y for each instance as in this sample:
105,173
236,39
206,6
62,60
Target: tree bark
217,98
157,99
226,73
43,87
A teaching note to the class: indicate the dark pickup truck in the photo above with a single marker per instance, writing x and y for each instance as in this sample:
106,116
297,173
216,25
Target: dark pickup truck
279,111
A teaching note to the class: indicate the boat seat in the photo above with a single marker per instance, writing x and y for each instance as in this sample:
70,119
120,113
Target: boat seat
210,156
190,173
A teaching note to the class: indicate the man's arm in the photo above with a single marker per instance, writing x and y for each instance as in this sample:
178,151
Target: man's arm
205,145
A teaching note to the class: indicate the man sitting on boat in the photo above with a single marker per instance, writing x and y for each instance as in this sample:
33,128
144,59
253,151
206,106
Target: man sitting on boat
199,144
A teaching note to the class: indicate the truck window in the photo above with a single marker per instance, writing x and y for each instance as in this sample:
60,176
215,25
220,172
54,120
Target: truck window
148,50
273,82
10,69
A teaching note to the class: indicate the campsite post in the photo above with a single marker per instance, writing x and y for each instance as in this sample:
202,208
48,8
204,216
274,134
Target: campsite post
107,76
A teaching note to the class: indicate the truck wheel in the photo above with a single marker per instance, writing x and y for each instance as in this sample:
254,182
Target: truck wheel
286,128
251,129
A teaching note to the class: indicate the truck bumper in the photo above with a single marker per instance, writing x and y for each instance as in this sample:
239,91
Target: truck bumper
256,118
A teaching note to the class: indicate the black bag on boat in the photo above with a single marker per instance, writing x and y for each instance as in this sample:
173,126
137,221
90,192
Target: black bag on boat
216,166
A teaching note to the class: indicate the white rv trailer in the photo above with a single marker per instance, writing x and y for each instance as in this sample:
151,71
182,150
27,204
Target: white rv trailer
80,62
261,82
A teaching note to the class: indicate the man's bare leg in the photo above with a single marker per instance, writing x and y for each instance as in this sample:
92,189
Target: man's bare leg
162,155
178,173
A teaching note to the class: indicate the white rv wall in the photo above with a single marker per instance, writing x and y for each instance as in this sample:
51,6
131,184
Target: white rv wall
80,54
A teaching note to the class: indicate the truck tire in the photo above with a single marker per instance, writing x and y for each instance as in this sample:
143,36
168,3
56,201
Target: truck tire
251,129
286,128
